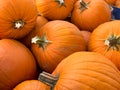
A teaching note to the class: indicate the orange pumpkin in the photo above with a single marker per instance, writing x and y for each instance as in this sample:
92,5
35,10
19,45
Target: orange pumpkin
117,4
17,18
56,40
111,2
16,64
31,85
88,14
39,23
83,71
105,39
86,35
55,9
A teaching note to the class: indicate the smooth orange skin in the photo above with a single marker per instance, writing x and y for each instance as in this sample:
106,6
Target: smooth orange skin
41,21
31,85
13,10
87,71
111,2
16,64
98,12
52,10
98,37
65,39
117,4
86,35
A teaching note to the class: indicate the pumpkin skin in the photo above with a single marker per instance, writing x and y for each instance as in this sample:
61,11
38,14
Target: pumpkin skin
31,85
89,19
100,41
86,71
16,64
62,39
111,2
39,23
86,35
55,10
117,4
17,18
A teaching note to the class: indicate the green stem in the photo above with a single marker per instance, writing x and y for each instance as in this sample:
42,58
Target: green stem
84,5
41,41
113,42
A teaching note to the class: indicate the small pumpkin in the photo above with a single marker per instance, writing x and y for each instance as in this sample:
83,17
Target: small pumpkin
16,64
55,9
39,23
105,39
31,85
88,14
83,71
17,18
56,40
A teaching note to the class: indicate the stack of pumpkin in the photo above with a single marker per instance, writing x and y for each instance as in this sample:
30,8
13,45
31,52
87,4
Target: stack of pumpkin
59,45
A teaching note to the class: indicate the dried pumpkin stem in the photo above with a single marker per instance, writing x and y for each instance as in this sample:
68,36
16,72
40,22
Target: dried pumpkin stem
48,79
113,42
41,41
19,24
61,2
84,5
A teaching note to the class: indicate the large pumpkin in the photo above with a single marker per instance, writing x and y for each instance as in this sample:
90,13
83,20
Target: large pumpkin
16,64
105,39
39,23
55,9
83,71
88,14
17,18
31,85
56,40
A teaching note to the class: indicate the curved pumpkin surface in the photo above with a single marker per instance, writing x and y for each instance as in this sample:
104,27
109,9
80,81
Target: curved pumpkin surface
86,71
16,64
17,18
105,40
88,14
111,2
55,9
39,23
117,4
31,85
56,40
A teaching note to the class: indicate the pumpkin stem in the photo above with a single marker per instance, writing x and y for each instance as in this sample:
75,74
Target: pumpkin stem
113,42
19,24
48,79
84,5
61,2
41,41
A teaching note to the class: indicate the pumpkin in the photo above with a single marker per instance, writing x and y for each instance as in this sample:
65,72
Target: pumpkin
83,71
105,39
16,64
86,35
31,85
55,9
39,23
117,4
56,40
111,2
88,14
17,18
